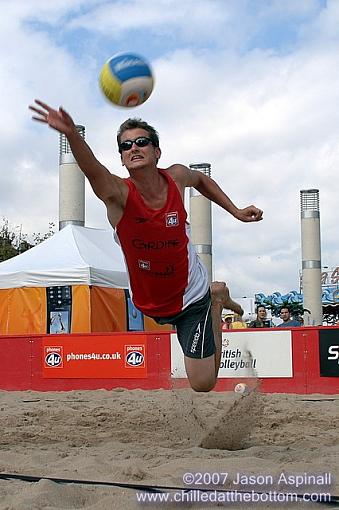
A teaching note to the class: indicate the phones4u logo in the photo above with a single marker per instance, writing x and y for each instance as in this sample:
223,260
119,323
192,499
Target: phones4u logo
53,357
134,356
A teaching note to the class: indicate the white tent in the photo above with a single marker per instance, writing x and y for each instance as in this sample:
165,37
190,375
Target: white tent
73,256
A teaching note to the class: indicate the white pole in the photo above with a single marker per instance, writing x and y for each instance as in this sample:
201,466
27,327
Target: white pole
311,256
71,186
201,221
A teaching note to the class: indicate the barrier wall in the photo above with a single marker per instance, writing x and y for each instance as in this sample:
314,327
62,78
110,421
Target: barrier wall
305,376
303,360
39,362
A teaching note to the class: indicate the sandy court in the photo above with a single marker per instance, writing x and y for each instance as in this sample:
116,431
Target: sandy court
154,437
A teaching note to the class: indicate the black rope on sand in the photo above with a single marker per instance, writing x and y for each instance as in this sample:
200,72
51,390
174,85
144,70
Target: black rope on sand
29,478
145,488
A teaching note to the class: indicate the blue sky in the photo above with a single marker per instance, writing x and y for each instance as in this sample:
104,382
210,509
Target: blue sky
250,86
243,25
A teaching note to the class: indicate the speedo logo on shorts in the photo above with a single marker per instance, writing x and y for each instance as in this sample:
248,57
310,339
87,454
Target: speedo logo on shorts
196,339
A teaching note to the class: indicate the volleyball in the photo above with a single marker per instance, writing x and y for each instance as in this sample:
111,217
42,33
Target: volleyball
242,388
126,80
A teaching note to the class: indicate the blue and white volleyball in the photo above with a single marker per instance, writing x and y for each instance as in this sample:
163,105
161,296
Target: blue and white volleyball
126,80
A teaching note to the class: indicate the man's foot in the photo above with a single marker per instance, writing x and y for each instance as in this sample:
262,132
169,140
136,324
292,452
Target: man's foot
221,294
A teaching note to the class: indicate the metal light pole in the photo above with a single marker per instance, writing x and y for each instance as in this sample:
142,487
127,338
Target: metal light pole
201,220
71,185
311,256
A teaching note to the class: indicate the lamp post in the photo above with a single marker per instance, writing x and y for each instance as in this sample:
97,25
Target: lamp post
201,220
71,185
311,256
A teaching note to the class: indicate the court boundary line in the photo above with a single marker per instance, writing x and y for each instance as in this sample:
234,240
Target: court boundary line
141,487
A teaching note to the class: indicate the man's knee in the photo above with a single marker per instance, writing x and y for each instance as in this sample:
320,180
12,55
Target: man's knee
219,293
201,373
203,385
220,297
218,288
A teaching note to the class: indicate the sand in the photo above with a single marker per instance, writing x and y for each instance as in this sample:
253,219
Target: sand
154,437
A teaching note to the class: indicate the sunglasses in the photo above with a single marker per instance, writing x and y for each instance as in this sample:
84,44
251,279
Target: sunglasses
141,141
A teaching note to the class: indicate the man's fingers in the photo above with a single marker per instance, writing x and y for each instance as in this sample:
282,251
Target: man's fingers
64,113
39,119
37,110
43,105
257,214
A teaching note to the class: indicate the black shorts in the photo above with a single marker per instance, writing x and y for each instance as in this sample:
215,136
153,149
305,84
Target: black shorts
194,328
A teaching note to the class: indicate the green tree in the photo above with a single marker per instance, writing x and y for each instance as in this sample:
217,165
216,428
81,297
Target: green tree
7,240
14,242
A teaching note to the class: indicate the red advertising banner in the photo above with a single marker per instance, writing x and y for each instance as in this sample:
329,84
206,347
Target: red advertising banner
118,356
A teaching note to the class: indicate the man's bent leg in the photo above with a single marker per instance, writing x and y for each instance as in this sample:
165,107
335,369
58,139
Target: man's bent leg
201,372
221,294
221,299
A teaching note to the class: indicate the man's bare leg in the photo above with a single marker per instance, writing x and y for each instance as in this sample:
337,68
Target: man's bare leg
202,373
221,299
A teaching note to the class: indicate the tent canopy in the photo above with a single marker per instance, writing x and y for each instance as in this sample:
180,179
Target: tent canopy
73,256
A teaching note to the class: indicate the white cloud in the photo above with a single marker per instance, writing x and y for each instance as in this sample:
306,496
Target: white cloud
323,30
189,18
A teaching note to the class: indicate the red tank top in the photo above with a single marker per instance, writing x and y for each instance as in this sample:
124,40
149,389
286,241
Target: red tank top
155,246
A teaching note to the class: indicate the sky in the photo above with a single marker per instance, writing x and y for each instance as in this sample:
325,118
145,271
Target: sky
250,86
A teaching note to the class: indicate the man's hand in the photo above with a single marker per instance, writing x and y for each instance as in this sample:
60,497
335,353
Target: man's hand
56,119
248,214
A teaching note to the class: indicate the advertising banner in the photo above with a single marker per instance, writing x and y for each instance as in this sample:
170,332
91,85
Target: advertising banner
135,319
59,309
118,356
329,352
246,354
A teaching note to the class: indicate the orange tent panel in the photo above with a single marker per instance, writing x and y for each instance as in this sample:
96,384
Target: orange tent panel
108,309
81,309
94,309
23,311
151,325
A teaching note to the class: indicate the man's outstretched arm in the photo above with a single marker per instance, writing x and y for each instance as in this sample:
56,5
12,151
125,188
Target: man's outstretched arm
105,185
211,190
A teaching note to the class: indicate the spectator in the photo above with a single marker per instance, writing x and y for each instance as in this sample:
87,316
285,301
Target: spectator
300,319
288,322
238,323
226,322
261,320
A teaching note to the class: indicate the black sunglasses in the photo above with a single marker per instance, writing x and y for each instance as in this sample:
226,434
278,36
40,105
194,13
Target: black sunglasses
141,141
